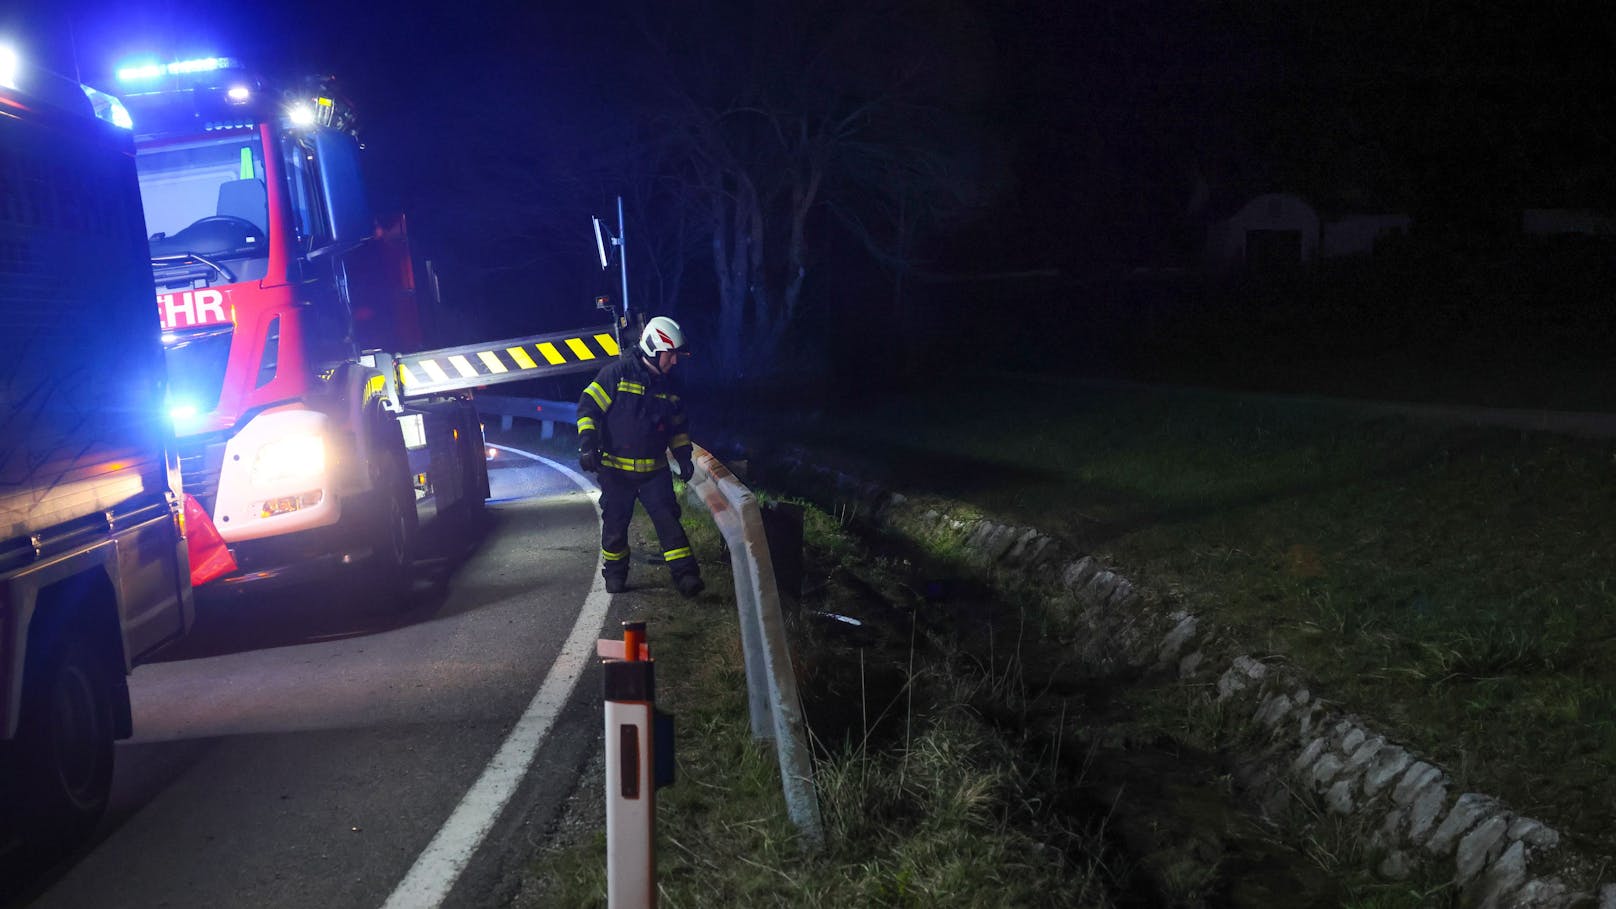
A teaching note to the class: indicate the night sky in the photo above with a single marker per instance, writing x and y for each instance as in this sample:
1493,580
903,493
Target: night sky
1086,139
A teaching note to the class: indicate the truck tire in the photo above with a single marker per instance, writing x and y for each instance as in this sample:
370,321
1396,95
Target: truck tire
475,481
394,521
62,755
475,477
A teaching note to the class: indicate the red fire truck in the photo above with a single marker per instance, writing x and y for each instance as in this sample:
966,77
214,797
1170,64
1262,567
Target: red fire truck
310,423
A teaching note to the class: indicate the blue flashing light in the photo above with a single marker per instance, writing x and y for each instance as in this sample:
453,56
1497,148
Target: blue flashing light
142,73
182,413
147,72
201,65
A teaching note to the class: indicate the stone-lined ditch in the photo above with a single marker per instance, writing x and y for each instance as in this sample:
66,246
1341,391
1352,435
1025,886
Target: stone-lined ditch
1303,763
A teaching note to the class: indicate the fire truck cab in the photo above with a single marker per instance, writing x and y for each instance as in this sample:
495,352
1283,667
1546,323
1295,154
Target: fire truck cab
272,278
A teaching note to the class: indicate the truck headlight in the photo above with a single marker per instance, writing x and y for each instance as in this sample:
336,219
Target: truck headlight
288,459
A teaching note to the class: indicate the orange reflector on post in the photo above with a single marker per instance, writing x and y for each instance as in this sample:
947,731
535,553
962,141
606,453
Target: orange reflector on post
633,637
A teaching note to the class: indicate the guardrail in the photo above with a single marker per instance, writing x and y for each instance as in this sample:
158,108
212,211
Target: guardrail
771,683
548,413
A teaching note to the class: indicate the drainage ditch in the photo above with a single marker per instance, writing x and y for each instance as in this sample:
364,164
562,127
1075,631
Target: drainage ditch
894,635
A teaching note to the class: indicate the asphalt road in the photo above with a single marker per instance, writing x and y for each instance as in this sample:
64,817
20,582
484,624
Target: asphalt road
304,748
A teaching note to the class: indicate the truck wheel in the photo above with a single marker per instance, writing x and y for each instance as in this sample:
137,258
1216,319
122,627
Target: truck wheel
475,483
474,471
394,528
63,750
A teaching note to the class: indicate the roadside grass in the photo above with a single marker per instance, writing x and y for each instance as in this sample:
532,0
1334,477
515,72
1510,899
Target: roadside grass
940,815
1454,585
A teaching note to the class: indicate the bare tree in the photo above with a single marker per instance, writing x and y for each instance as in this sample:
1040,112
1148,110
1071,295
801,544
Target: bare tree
766,109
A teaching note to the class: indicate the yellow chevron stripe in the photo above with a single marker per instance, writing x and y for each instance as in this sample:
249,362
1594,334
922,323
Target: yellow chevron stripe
551,354
434,371
405,377
580,348
491,361
521,358
463,366
608,344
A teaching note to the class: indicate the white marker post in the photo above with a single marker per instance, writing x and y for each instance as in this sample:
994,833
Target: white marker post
629,689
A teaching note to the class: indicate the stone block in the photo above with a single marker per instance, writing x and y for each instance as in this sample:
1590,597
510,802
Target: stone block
1350,742
1468,811
1534,833
1324,770
1077,573
1499,886
1310,718
1190,663
1414,780
1358,759
1480,846
1426,808
1099,586
1540,893
997,542
1308,756
1231,683
1273,711
1339,798
1175,640
1121,591
1387,766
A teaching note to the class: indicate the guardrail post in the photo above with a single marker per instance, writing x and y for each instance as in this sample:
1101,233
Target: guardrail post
629,690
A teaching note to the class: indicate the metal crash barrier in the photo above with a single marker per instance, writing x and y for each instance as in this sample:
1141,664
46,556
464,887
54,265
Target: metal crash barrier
771,683
548,413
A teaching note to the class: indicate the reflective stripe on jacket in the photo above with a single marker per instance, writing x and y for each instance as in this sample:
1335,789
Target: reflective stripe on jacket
639,415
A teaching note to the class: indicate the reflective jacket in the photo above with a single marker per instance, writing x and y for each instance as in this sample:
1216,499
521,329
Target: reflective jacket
634,417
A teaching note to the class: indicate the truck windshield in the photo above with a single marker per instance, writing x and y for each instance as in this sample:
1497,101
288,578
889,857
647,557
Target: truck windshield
207,200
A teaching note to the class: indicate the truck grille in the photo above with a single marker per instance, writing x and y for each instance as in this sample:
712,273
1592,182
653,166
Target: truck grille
201,460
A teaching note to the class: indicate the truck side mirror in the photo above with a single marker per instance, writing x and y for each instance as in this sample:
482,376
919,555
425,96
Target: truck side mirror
342,187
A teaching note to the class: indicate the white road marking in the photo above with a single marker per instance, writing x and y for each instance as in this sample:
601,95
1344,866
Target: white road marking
441,863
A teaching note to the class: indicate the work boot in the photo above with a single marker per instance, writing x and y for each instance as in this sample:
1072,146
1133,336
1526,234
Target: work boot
689,585
615,584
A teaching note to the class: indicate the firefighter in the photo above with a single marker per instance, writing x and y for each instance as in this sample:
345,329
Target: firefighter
628,419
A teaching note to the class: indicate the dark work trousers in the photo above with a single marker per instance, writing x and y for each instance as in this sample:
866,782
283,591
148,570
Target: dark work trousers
618,491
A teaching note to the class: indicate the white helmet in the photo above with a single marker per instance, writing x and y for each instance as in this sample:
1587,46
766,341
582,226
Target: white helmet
661,333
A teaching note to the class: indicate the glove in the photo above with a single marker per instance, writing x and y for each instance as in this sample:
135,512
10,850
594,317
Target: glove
687,469
589,451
